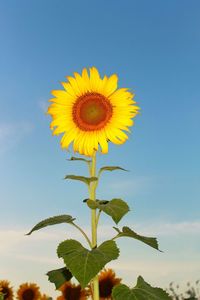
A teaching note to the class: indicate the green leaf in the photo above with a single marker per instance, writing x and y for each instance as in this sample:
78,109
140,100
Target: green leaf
117,229
111,168
127,232
1,296
142,291
92,204
84,179
84,264
59,276
116,208
102,201
52,221
80,159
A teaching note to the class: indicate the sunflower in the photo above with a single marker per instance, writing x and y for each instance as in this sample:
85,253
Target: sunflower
91,111
107,280
71,291
6,290
28,291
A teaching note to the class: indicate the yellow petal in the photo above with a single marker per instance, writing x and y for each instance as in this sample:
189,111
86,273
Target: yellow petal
78,142
68,88
68,138
86,77
110,85
81,83
94,79
74,85
103,142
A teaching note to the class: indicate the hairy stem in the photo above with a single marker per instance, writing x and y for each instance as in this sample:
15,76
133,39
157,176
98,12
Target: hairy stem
92,196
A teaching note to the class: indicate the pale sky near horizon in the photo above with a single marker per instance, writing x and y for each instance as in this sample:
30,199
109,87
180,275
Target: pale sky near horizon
154,48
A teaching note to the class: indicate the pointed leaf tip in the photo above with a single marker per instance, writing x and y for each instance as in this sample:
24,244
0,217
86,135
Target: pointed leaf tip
127,232
111,168
52,221
85,200
73,158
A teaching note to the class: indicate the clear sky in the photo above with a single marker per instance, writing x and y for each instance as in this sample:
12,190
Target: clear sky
154,48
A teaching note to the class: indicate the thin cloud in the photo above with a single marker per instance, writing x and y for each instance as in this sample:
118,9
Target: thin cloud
162,267
157,272
17,237
43,104
170,229
133,185
39,251
12,133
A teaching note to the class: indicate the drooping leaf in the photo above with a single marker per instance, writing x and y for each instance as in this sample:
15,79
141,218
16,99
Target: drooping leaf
111,168
84,264
116,208
84,179
52,221
80,159
142,291
127,232
59,276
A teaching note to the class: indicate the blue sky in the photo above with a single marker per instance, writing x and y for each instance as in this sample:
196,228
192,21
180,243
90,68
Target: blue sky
154,48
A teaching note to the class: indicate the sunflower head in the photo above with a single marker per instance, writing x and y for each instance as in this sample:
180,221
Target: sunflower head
71,291
6,290
91,111
107,280
28,291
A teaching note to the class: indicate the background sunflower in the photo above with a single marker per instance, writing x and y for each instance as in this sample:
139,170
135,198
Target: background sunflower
6,289
28,291
72,291
107,280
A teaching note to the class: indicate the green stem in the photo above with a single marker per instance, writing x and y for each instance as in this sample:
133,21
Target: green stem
98,215
92,196
84,234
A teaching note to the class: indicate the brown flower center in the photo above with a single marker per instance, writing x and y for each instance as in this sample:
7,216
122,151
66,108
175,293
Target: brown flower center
28,294
92,111
105,287
72,293
6,292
